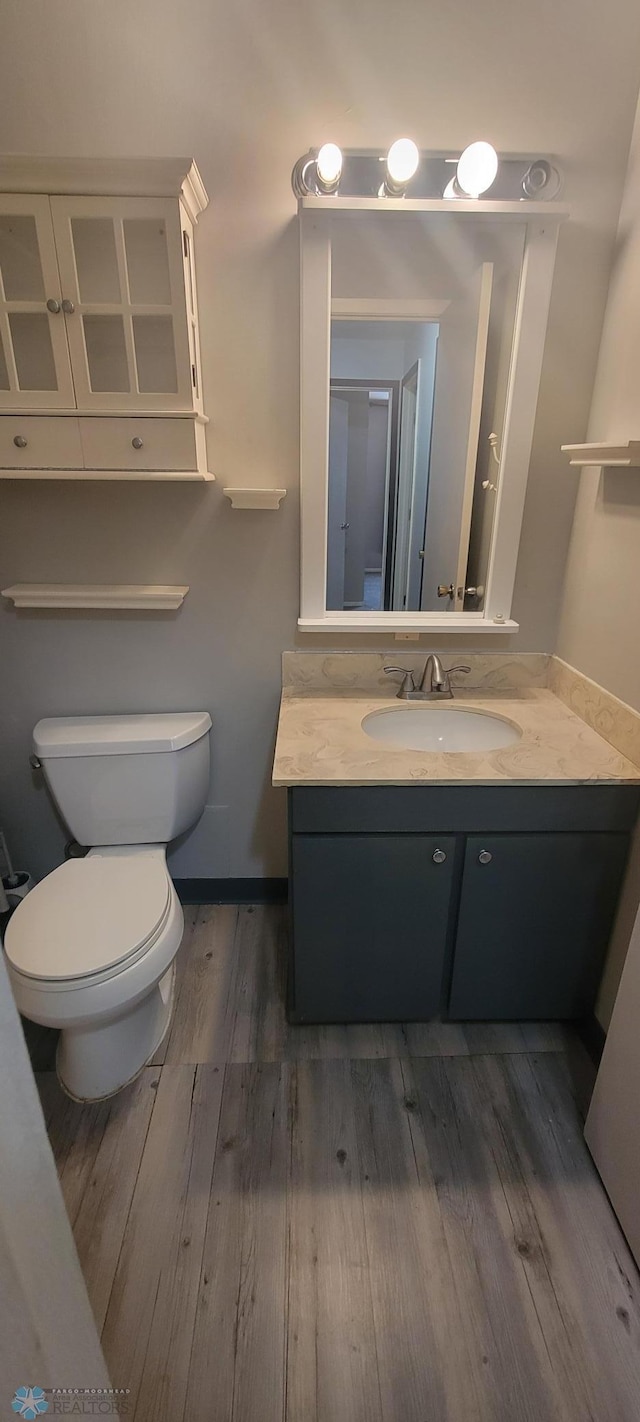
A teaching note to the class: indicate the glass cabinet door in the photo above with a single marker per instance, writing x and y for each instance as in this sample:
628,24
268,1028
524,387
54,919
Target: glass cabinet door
121,267
35,371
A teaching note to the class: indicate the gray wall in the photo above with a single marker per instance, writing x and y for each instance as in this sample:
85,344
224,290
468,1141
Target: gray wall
246,88
601,607
602,589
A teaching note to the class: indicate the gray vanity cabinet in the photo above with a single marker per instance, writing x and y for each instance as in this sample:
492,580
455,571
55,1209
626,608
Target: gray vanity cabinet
485,902
371,918
535,913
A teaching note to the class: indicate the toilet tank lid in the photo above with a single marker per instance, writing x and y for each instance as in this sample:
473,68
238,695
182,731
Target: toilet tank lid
118,735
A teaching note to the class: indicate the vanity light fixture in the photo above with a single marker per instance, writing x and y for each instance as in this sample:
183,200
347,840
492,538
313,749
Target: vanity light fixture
475,173
332,176
402,163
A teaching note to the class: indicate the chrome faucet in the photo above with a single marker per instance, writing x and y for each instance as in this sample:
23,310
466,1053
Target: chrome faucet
435,682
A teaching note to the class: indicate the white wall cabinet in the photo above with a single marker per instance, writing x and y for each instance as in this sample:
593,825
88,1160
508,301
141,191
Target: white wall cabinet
98,319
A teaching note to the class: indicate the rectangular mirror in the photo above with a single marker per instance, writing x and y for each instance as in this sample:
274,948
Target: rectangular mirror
422,340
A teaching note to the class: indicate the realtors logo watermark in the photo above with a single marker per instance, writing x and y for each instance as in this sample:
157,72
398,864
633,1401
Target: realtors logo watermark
30,1402
33,1402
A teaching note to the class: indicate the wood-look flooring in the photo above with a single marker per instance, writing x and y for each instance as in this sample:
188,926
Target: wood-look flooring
345,1224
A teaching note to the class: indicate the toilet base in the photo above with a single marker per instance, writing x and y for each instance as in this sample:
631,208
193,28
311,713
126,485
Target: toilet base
93,1063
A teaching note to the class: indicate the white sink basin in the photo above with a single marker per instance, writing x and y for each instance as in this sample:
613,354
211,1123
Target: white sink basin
440,728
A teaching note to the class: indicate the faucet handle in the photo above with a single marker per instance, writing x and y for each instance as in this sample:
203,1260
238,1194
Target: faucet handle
408,683
449,674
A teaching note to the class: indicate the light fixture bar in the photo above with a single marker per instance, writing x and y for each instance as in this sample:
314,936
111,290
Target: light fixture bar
376,174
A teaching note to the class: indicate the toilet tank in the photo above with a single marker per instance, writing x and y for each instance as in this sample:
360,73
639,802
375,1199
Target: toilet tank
126,779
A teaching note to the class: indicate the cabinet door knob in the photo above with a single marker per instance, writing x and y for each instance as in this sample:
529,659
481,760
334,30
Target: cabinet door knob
137,442
438,856
68,306
485,856
19,441
53,306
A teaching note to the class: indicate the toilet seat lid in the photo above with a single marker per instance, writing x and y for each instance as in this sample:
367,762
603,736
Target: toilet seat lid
87,916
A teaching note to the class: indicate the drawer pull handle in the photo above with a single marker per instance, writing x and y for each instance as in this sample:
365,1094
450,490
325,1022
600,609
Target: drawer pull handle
485,856
137,442
19,441
53,306
68,306
438,856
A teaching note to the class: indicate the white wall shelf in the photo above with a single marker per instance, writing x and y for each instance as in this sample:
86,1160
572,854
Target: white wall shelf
126,476
623,456
255,498
145,597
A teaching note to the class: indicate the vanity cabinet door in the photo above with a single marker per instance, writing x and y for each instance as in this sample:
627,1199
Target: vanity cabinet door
370,925
536,913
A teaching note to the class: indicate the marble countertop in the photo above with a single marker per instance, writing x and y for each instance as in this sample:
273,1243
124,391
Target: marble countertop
320,741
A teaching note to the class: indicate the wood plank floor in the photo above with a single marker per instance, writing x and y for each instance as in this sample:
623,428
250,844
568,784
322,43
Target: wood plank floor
345,1224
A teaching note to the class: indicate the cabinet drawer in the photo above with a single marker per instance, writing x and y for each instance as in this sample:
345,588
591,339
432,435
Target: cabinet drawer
166,444
52,442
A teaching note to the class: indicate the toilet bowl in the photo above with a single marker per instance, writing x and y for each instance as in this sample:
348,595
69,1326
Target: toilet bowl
92,948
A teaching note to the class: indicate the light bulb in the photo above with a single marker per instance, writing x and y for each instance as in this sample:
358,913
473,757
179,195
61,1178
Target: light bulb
477,168
402,161
329,165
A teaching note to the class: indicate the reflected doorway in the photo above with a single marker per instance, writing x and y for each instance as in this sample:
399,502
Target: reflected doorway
362,479
380,418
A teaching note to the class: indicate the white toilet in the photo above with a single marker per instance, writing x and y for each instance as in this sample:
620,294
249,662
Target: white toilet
92,948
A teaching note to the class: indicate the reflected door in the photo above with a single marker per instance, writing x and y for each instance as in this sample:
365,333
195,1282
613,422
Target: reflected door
462,351
407,450
337,528
125,304
35,370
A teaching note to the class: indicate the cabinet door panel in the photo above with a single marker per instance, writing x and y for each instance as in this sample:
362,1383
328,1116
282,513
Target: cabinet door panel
121,266
534,924
370,917
35,370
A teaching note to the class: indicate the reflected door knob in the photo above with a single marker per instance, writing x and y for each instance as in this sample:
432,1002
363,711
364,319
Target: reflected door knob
471,592
438,856
485,856
53,306
446,590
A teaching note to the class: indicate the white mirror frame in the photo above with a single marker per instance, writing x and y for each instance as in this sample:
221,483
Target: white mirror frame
316,215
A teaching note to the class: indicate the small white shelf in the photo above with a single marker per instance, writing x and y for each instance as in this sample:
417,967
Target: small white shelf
124,476
624,456
116,596
255,498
